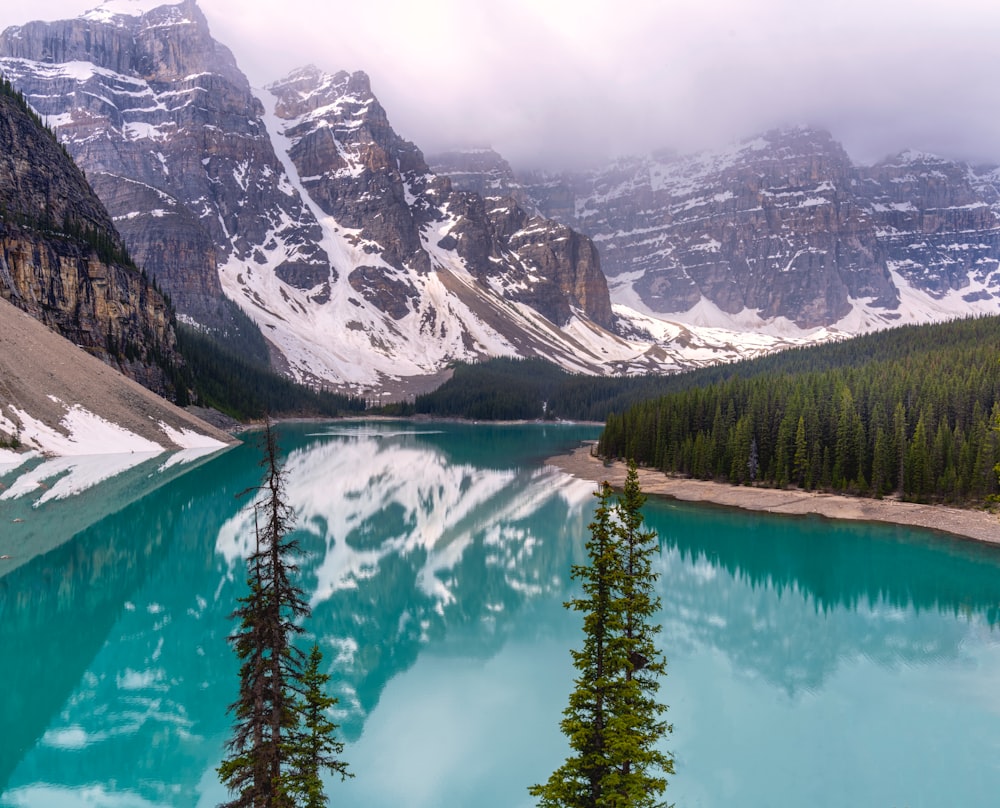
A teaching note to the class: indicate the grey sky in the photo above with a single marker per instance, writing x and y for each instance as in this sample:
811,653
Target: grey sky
558,81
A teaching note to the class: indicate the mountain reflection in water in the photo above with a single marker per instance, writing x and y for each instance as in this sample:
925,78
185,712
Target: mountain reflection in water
437,560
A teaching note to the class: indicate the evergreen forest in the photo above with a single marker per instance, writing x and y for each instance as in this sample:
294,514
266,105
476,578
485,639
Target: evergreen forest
533,389
911,412
223,377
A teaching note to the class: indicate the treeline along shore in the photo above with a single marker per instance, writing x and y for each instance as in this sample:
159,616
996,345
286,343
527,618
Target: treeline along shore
912,413
979,525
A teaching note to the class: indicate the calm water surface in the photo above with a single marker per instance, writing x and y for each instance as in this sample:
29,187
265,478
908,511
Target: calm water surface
810,663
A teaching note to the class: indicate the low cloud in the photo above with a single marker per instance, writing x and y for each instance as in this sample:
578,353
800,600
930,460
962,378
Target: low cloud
563,83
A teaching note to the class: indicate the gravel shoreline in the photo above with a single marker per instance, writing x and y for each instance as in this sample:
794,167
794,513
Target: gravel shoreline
976,525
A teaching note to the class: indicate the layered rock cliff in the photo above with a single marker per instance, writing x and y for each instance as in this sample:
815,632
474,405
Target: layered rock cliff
360,172
62,261
771,226
938,222
482,171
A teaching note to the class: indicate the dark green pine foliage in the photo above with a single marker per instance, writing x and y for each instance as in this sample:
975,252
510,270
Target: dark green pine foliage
222,377
245,770
639,766
266,710
501,389
315,747
957,356
613,721
579,782
917,421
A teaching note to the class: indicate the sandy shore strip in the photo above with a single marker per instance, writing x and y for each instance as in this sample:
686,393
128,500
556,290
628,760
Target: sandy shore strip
970,524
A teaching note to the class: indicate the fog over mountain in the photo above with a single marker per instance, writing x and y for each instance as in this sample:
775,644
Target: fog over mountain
562,83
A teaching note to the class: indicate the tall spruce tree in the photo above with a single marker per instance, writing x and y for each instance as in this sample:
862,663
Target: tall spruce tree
580,780
613,720
268,764
639,766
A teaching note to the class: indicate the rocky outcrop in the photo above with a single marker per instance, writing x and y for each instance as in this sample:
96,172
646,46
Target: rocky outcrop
360,172
533,260
556,269
62,261
939,223
770,226
354,166
372,181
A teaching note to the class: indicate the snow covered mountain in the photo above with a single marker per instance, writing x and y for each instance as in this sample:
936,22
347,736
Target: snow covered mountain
169,135
783,234
364,269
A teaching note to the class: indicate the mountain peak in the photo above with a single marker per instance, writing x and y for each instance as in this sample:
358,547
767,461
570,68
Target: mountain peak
800,138
112,11
912,157
310,81
359,83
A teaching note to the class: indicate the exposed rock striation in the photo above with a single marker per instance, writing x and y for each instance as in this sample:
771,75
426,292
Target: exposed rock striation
481,171
547,266
938,222
62,261
772,226
370,180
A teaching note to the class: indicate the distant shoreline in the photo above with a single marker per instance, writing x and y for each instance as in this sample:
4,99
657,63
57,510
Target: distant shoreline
978,526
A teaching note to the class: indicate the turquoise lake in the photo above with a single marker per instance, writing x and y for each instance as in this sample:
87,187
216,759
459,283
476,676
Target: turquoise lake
810,662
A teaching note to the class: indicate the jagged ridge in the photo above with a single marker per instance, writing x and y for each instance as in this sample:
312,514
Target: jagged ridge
364,269
784,228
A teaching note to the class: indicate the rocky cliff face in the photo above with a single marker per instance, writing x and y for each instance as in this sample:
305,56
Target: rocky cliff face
546,265
772,226
939,224
782,227
62,261
360,172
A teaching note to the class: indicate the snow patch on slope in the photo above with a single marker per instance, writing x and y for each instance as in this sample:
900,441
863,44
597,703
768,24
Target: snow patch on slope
189,438
346,340
84,433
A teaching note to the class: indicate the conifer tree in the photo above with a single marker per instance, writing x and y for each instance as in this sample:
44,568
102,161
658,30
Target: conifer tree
270,663
314,747
280,741
638,762
800,463
579,781
613,720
